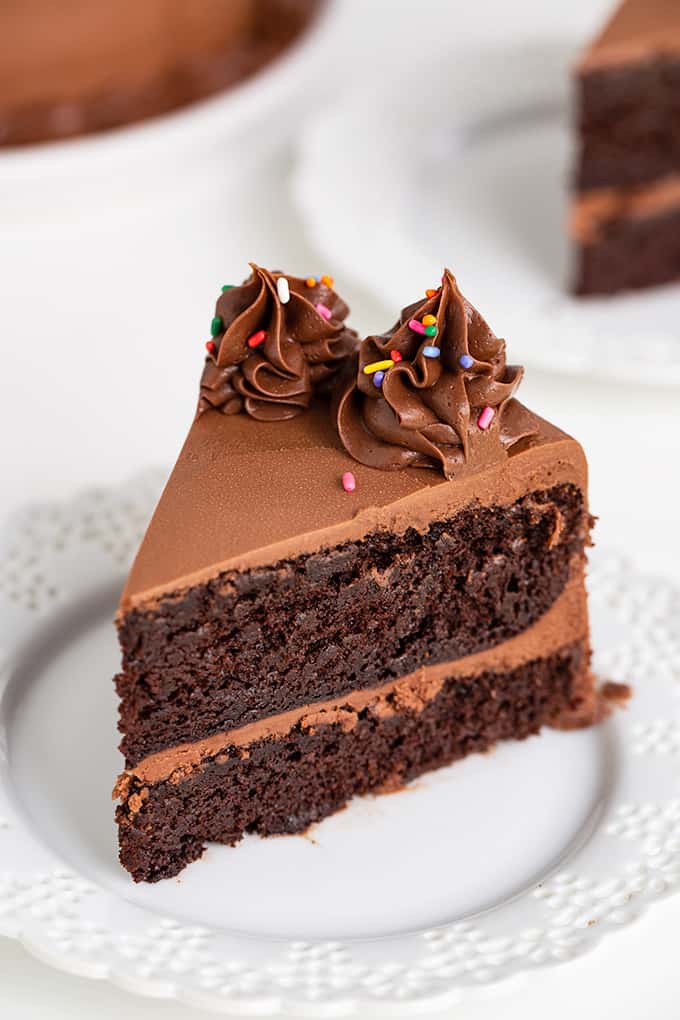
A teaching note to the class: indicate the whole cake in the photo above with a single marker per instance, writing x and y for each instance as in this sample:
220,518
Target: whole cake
72,67
368,562
625,219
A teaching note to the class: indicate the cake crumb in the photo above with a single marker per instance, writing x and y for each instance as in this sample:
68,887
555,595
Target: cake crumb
122,787
135,802
615,692
179,774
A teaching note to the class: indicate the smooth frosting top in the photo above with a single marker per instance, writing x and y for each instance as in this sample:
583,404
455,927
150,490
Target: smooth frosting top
440,396
277,339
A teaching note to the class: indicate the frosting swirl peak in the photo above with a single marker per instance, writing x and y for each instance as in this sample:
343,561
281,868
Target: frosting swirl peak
276,338
434,391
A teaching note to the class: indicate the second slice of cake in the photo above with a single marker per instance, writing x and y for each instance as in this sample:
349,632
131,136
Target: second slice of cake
329,602
625,219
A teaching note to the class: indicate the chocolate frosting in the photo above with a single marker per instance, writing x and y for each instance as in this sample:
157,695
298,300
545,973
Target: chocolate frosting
305,343
426,410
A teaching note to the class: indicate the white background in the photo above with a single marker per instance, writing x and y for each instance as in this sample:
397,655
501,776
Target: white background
74,415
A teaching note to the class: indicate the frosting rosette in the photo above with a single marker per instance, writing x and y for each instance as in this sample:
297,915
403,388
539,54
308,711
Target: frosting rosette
434,391
277,340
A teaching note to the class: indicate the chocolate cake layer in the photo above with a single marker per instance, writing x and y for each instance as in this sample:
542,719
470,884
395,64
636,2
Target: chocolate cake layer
282,785
628,94
254,643
629,124
630,253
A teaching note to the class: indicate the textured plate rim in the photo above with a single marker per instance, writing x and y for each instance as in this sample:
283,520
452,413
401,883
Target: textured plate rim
55,550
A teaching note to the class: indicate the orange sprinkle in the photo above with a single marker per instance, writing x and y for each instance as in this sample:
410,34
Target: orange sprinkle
429,320
430,292
328,280
310,281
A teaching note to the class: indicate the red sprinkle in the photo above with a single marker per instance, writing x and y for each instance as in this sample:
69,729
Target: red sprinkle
210,346
349,482
396,356
257,338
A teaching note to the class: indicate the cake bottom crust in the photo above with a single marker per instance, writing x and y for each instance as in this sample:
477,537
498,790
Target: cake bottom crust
283,785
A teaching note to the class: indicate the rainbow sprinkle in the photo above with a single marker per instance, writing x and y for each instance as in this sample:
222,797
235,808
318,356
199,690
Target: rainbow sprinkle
311,281
466,361
431,352
378,366
396,356
216,326
430,292
349,482
210,346
486,417
227,286
283,290
328,280
257,338
378,378
322,310
427,327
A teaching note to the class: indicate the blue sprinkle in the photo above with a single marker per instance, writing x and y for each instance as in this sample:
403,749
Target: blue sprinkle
378,379
466,361
431,352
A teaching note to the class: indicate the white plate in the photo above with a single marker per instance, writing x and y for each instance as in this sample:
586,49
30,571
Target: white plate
477,873
465,162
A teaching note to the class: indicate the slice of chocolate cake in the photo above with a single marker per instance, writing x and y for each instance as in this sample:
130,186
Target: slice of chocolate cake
625,220
333,599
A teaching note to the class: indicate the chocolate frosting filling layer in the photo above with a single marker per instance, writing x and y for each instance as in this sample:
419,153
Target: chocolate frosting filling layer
565,622
594,210
440,396
278,339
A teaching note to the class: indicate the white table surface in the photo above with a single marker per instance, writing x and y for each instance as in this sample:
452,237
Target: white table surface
631,435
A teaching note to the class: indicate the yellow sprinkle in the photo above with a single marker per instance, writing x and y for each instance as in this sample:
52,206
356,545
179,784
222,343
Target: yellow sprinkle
328,280
378,366
310,281
429,320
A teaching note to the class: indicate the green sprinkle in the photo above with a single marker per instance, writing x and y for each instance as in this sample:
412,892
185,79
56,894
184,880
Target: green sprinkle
216,326
227,286
430,331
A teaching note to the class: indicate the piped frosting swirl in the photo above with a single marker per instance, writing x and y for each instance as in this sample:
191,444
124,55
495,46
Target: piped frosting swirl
277,339
441,396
